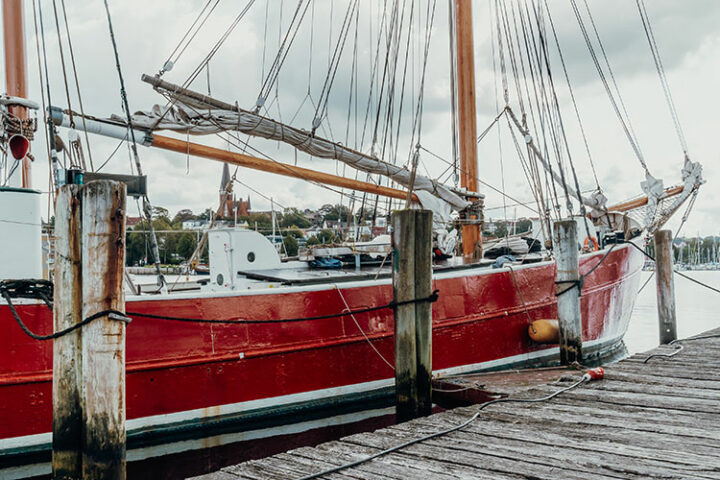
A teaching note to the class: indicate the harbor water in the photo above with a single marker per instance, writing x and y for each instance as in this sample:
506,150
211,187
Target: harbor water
698,309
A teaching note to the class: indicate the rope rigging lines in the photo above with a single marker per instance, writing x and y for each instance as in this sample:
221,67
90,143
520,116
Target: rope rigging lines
147,207
617,103
192,32
203,63
282,53
526,41
525,38
661,74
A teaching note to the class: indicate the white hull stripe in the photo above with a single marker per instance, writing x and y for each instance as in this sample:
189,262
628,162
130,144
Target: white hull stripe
233,408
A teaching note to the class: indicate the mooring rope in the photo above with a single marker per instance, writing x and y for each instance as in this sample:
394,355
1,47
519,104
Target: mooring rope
39,289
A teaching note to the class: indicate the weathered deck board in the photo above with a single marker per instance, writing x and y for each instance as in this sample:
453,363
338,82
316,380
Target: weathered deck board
654,420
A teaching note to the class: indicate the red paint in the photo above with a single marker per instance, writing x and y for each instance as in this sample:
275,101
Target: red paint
173,366
597,373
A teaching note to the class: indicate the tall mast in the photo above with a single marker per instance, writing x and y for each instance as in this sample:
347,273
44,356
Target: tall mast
467,130
15,67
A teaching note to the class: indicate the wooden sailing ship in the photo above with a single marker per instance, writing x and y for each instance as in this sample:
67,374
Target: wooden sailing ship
188,381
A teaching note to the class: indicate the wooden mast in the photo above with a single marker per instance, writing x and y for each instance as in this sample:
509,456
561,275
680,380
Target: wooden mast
255,163
15,67
467,130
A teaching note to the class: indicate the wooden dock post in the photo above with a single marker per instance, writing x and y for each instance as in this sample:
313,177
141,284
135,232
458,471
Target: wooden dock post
67,306
423,310
567,276
103,340
665,286
412,272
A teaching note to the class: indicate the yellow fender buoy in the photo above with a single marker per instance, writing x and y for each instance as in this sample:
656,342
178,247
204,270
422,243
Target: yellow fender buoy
544,331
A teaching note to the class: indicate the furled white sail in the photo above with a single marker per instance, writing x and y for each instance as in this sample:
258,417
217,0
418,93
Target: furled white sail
192,115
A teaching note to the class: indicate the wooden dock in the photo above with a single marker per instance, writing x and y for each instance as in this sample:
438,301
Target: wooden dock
659,419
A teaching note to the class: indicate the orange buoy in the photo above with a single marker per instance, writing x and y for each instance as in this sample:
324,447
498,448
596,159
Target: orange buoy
544,331
591,244
597,373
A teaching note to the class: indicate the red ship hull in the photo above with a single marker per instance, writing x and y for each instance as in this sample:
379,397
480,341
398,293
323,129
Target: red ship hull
187,380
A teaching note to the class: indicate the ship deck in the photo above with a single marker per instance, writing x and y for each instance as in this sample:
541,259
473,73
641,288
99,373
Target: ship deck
644,420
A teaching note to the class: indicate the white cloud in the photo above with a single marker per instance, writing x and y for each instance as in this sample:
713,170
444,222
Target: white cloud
688,34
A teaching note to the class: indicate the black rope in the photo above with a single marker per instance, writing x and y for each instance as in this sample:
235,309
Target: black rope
573,283
432,298
677,271
38,289
110,313
697,281
580,281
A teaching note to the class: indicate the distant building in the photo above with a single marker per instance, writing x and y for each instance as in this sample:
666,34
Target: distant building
132,221
229,207
334,225
196,224
312,216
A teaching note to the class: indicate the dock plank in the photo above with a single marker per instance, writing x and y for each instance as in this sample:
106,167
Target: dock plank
658,420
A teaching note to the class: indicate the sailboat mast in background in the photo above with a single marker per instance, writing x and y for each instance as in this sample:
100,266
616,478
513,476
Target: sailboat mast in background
15,68
467,130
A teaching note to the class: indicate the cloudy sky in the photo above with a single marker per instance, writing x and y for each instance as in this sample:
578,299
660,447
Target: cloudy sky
687,33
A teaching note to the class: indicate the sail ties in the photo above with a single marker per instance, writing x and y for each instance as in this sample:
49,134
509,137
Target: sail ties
659,209
198,114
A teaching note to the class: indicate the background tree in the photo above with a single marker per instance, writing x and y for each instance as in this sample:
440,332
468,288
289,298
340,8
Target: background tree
293,217
186,245
335,212
183,215
324,237
295,232
291,245
262,220
135,248
161,213
206,215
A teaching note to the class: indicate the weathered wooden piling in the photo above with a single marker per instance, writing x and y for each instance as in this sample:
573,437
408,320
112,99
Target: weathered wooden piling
412,277
103,340
665,286
89,363
568,288
67,306
423,310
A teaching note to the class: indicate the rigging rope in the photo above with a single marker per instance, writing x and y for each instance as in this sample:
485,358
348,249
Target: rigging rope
321,109
357,324
572,96
563,134
282,53
168,107
170,62
147,207
624,121
661,73
75,76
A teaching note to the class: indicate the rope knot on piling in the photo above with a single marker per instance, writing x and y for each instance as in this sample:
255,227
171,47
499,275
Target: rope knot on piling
573,283
432,298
